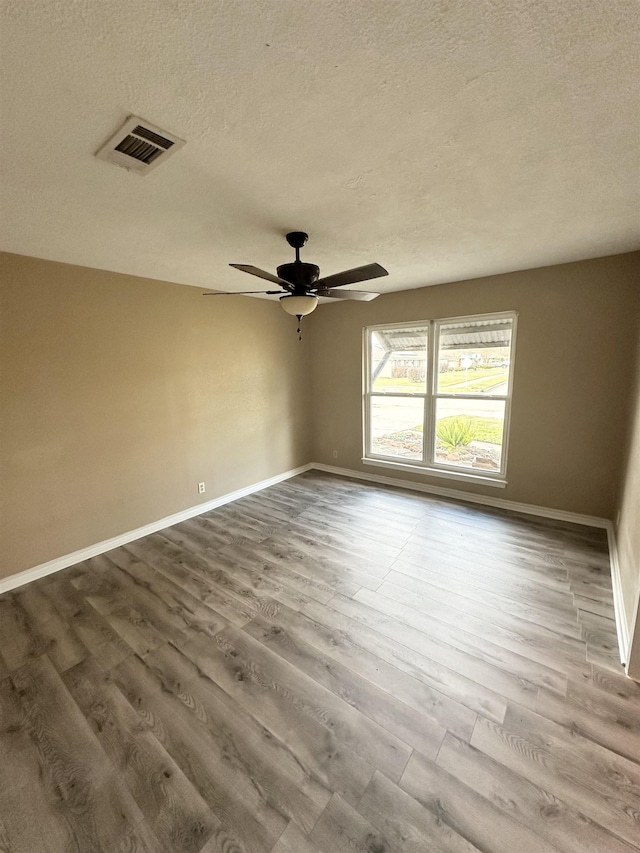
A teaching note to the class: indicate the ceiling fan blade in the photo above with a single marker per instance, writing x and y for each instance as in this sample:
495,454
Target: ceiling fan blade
365,273
241,292
359,295
262,274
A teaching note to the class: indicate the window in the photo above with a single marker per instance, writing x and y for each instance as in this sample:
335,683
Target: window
438,395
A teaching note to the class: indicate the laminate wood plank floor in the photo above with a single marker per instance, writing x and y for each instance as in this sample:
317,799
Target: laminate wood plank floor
325,666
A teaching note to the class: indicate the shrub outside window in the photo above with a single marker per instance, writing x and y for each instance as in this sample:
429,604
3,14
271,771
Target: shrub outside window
438,394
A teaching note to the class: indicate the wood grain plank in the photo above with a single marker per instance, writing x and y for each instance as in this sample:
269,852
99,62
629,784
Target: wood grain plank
301,541
20,640
269,762
121,587
557,596
180,569
512,653
316,745
347,544
408,825
542,767
172,807
334,523
413,727
582,759
469,814
292,841
76,774
477,684
141,840
597,716
63,647
361,518
515,560
247,819
616,684
443,642
534,642
530,805
488,606
250,660
293,589
194,615
224,530
104,645
330,568
225,579
341,827
591,605
135,629
416,693
22,794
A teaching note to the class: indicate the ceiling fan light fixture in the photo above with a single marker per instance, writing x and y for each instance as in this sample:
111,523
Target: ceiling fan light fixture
298,306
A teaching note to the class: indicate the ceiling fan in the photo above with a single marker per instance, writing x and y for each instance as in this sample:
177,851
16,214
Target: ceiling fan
302,284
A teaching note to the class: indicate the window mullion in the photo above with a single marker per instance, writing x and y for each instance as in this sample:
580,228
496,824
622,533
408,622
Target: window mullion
442,395
429,407
366,397
407,394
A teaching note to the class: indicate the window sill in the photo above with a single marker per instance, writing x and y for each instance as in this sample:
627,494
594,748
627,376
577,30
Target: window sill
462,477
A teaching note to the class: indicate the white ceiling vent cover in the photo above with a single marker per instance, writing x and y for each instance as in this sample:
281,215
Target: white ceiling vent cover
139,146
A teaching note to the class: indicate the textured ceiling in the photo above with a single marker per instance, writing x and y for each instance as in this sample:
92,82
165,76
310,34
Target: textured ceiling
444,140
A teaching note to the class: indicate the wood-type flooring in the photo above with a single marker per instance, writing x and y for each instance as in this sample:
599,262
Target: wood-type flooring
325,666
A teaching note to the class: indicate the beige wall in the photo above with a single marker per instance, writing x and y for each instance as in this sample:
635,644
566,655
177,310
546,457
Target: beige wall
120,394
574,362
628,527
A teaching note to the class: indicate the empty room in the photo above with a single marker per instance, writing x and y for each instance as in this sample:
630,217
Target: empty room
320,426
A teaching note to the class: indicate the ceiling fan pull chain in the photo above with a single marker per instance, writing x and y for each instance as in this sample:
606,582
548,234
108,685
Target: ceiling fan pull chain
299,316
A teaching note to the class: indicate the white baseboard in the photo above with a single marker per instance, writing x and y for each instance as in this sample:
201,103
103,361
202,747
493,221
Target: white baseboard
67,560
622,628
470,497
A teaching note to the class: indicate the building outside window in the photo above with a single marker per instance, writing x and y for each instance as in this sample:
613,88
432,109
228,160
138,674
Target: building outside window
438,395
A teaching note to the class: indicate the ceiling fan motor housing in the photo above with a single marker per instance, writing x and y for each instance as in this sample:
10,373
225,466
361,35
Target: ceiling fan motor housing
299,274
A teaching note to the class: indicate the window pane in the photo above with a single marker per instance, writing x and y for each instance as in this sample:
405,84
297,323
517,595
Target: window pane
469,433
474,357
399,360
396,426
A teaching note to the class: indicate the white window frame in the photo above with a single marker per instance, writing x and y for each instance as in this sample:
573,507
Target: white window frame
429,465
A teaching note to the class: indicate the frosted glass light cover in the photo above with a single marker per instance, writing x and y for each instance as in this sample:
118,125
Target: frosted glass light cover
299,305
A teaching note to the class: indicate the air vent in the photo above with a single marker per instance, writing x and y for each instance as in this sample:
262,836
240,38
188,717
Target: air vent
139,146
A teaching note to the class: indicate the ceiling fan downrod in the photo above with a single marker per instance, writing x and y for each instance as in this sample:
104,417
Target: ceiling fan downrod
300,275
297,239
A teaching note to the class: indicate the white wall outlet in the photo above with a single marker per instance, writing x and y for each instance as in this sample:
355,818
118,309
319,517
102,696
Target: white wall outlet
201,488
335,454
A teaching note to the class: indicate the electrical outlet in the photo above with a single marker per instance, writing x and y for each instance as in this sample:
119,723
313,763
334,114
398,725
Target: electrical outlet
201,488
335,454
